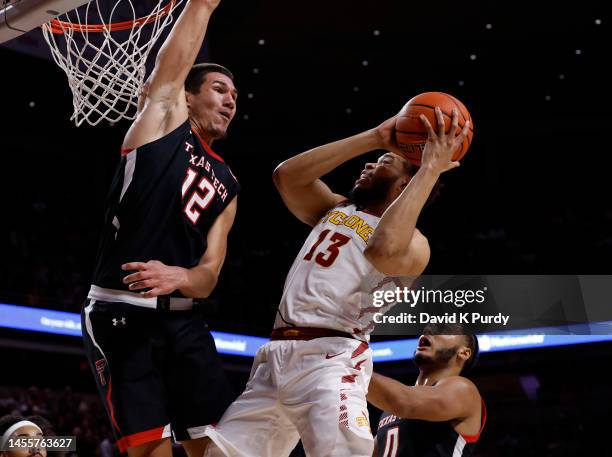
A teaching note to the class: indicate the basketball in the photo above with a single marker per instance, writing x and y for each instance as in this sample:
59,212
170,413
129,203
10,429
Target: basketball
410,132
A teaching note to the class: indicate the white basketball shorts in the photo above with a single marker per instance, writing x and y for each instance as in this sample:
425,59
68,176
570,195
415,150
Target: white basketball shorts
314,390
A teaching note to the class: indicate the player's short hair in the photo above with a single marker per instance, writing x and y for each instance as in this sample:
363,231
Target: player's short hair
198,73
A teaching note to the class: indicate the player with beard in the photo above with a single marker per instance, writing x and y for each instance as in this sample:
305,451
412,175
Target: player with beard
310,381
442,415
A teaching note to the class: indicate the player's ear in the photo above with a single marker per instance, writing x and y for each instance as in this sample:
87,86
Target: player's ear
188,97
465,353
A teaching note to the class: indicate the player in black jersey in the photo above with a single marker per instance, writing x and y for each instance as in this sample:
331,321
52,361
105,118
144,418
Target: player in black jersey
168,214
442,415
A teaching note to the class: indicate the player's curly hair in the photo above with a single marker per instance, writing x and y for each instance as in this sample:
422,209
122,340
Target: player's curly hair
198,73
410,169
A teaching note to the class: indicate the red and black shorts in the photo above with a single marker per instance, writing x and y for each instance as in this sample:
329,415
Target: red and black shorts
158,371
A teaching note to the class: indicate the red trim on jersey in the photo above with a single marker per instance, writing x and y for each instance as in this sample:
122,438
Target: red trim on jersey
136,439
360,350
109,401
126,151
207,147
483,420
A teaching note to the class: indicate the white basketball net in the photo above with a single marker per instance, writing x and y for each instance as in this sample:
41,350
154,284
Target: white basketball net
105,73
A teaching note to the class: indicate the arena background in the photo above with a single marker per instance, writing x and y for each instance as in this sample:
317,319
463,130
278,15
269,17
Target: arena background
531,197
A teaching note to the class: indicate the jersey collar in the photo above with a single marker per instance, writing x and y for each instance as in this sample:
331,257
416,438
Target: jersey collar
207,148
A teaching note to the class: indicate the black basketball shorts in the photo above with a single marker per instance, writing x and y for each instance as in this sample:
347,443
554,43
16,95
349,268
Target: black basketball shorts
158,371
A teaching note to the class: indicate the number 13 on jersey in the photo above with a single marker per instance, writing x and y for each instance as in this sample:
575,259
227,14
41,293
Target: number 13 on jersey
327,256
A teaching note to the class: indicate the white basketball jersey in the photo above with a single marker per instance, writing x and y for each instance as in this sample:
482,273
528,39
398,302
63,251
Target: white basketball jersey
330,284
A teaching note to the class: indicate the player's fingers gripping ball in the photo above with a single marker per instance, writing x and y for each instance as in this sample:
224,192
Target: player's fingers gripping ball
411,134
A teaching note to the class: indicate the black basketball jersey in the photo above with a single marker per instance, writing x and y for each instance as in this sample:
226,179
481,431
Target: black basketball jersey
163,200
398,437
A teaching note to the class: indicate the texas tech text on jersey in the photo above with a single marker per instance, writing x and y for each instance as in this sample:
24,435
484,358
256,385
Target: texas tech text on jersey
163,200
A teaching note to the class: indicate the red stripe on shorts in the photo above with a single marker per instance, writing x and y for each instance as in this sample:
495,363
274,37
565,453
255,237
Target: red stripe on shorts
136,439
109,401
358,366
360,350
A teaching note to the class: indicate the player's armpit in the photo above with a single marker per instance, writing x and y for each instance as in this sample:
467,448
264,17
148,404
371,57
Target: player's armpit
202,278
308,202
154,120
409,263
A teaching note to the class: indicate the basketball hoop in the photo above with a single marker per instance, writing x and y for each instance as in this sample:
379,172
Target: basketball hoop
105,60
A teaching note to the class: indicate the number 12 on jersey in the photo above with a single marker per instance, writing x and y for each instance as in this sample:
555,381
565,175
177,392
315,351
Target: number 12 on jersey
326,257
200,198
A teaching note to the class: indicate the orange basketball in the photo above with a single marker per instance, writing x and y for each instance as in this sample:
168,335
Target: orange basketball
410,131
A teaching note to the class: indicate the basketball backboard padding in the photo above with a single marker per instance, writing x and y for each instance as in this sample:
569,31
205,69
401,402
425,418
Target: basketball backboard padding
20,16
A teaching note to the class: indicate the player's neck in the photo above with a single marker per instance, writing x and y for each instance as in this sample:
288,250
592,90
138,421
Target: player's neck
430,377
376,210
202,133
379,208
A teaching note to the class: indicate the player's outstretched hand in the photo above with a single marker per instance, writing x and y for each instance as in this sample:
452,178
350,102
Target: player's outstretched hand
159,278
440,146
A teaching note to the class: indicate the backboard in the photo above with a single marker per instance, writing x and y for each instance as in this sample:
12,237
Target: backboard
20,16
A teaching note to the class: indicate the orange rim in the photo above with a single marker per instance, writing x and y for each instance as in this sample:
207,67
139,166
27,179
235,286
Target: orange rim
58,26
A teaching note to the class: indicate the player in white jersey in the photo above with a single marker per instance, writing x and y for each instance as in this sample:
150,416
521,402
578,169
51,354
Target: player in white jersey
311,380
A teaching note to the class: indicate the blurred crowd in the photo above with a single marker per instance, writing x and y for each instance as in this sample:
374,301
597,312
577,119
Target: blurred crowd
68,414
549,416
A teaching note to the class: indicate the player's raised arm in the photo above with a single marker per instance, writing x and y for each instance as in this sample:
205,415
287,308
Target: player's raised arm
162,106
297,178
451,398
396,247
